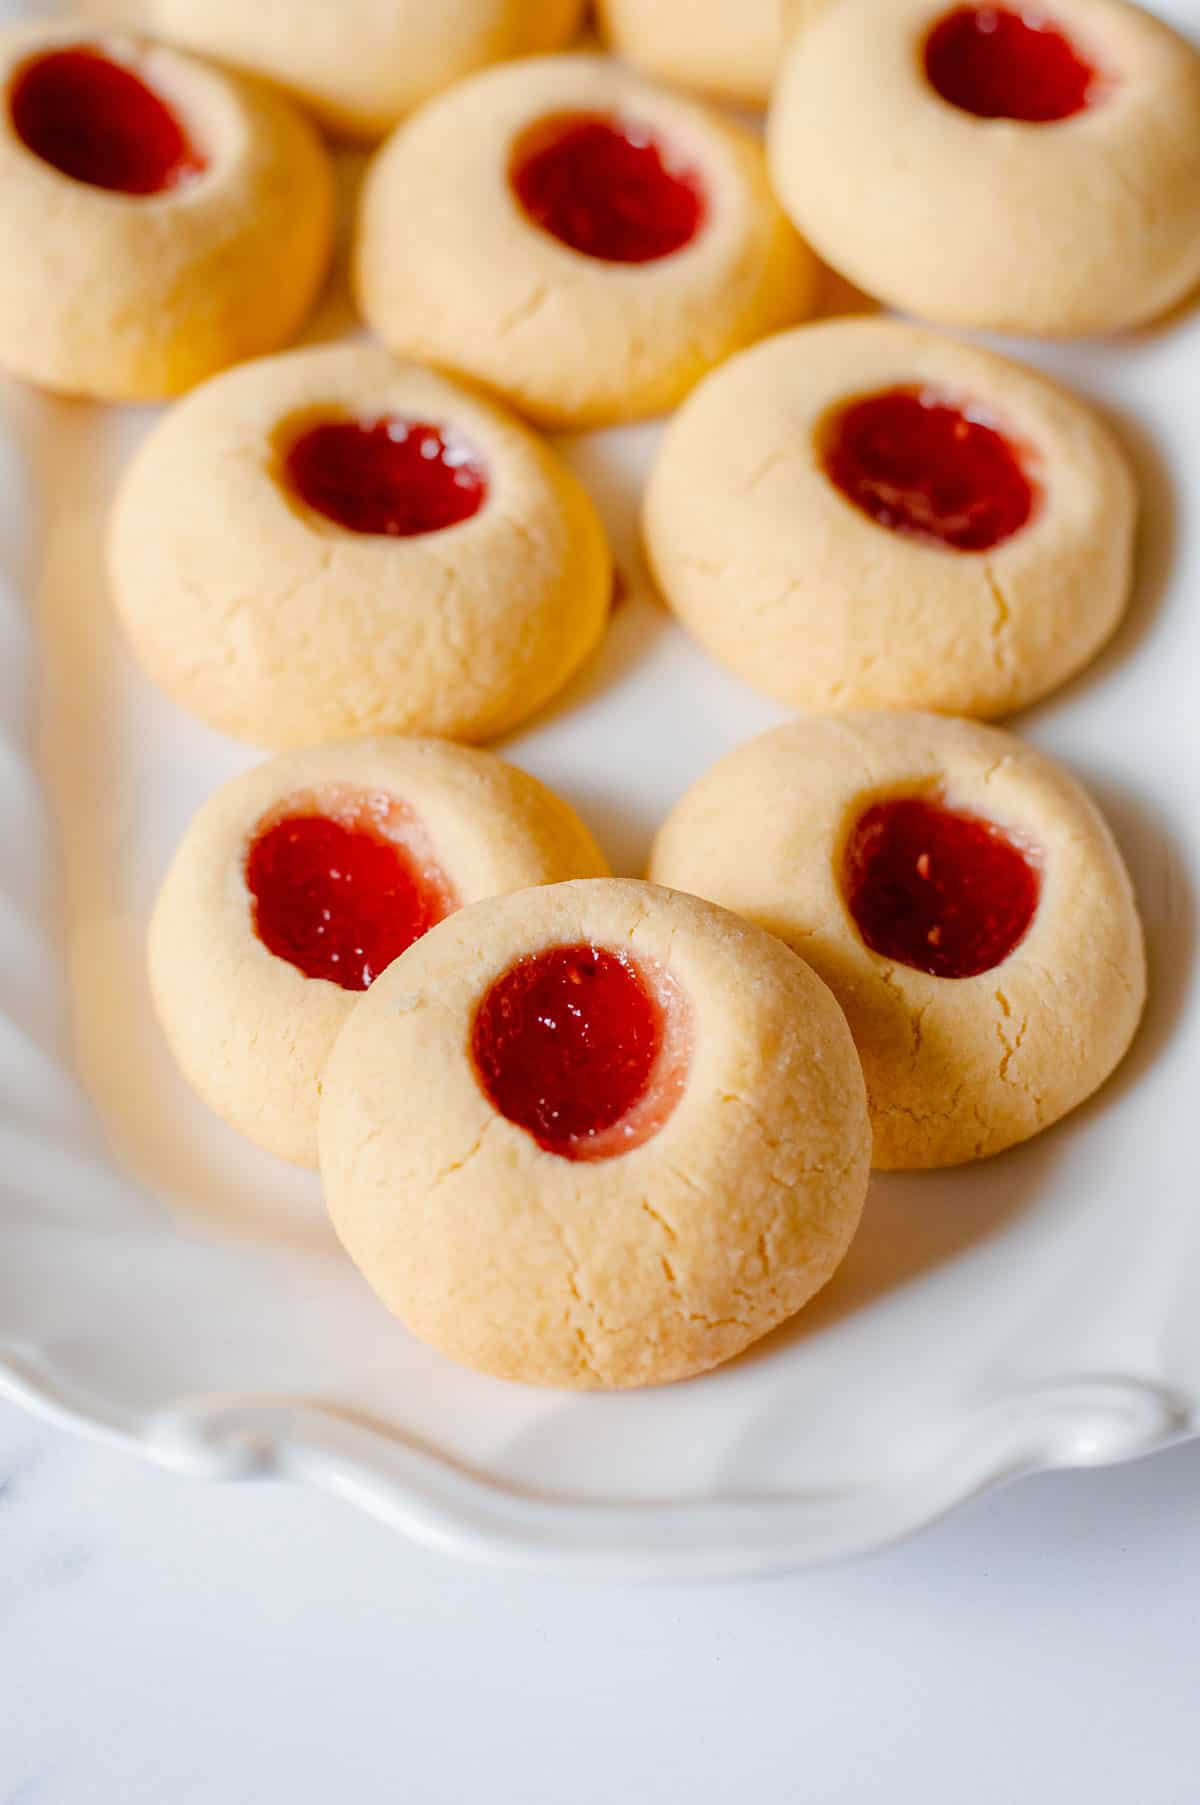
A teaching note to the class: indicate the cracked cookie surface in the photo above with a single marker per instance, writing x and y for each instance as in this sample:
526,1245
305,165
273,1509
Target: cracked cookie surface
809,598
450,268
646,1266
251,1031
275,624
957,1068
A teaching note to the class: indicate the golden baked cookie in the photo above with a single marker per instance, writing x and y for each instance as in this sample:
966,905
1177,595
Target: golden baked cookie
112,12
596,1135
730,52
988,166
865,514
360,65
331,543
158,219
300,881
960,895
583,242
799,13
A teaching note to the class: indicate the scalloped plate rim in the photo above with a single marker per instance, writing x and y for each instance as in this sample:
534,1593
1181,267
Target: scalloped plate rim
457,1511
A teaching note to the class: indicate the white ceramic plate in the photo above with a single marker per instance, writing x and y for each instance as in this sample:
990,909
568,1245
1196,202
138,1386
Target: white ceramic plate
164,1286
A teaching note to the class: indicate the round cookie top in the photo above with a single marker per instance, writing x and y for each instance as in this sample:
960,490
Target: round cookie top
958,892
363,64
583,242
646,1146
728,53
301,881
331,543
865,513
988,167
159,218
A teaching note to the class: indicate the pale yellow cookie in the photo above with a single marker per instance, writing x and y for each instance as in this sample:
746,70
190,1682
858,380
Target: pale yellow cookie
832,833
276,623
730,52
596,1135
112,12
832,597
1085,222
360,65
799,13
158,219
688,253
297,882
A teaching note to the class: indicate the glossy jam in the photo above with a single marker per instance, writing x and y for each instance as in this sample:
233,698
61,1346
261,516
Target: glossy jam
394,477
96,121
607,188
339,897
945,892
574,1046
1003,64
923,467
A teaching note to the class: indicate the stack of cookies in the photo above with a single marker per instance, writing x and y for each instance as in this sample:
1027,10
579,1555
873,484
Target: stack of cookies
575,1129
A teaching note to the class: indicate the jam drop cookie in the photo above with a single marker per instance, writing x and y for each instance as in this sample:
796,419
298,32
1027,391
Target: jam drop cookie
158,219
960,895
597,1135
728,52
864,514
361,65
584,243
989,166
331,543
299,882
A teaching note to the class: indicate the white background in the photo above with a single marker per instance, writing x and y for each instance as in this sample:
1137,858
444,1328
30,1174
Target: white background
173,1643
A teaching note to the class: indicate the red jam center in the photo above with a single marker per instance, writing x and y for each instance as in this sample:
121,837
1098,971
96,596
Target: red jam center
391,476
947,893
98,122
339,898
925,468
999,64
570,1045
607,188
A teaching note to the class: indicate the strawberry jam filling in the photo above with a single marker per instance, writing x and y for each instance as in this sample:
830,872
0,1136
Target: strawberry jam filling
341,888
395,477
96,121
925,468
583,1049
607,188
945,892
1003,64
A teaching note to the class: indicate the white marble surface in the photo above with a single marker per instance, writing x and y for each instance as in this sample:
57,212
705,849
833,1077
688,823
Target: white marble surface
172,1643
